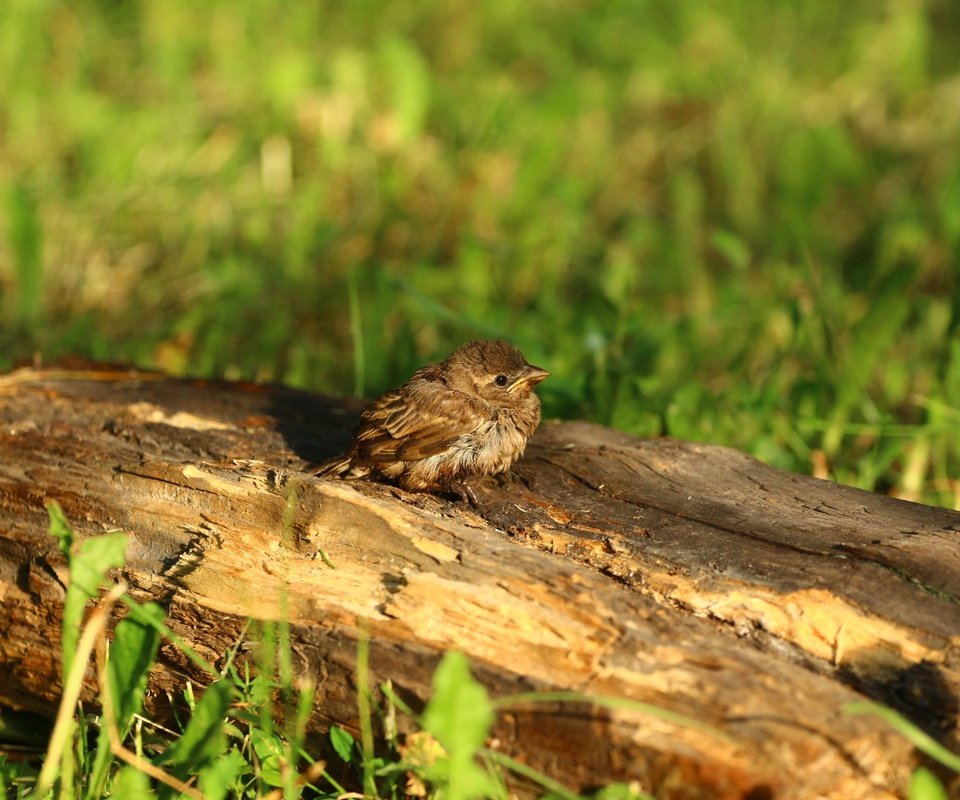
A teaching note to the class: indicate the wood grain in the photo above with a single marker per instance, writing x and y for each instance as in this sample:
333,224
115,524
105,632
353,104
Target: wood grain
691,577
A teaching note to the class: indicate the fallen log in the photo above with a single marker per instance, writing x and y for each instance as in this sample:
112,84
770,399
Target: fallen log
686,576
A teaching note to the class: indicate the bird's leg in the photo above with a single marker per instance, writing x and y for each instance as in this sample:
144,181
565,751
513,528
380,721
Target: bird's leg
465,492
506,478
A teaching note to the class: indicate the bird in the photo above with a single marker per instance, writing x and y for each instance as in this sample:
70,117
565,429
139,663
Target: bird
469,415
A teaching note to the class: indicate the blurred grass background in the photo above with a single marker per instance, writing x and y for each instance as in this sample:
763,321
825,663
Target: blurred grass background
734,222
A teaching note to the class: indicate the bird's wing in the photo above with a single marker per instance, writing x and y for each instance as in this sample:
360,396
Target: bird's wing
416,421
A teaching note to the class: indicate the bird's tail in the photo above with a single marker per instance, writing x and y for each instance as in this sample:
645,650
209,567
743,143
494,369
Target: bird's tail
336,467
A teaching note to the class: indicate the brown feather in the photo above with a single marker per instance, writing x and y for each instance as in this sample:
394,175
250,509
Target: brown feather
468,415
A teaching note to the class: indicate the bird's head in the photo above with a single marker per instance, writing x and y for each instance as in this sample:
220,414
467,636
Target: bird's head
494,370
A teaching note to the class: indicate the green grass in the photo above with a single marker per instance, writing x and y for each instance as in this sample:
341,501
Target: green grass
735,222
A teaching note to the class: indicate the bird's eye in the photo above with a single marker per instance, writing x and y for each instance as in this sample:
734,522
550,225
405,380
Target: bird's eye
500,380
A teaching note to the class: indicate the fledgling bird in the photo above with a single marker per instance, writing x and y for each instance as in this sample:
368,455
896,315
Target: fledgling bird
468,415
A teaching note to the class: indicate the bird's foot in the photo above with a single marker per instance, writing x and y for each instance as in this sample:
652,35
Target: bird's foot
506,478
465,492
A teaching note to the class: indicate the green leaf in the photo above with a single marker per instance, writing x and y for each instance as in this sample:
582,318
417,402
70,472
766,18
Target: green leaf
269,750
14,776
222,774
343,743
459,716
131,784
621,791
88,564
924,785
204,738
93,558
60,528
132,653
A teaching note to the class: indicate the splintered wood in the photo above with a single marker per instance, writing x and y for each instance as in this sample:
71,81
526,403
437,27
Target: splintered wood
754,602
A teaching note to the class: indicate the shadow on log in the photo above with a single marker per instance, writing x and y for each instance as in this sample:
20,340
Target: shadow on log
686,576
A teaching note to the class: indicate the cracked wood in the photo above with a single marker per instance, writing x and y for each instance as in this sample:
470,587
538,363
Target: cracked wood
685,576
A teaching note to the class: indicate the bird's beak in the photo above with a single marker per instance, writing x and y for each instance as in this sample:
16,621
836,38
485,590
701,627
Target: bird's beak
530,375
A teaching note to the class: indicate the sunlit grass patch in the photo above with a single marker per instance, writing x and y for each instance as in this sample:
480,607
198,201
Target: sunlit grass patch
732,224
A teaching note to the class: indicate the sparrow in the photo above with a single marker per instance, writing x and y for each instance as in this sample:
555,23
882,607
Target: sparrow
470,415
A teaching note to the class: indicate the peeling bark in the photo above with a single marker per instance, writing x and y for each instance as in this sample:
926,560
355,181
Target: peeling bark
687,576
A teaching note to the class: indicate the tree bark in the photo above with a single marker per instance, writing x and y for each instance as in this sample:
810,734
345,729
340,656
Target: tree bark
687,576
